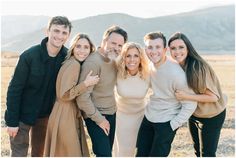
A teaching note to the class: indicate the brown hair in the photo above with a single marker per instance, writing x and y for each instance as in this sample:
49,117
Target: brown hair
195,67
60,20
75,40
155,35
115,29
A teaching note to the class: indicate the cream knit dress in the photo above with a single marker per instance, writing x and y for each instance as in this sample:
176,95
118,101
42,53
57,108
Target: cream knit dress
131,103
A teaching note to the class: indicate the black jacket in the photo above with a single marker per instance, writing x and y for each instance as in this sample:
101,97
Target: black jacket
27,91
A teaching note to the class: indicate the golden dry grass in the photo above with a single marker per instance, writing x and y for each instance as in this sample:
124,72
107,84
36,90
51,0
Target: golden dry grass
225,70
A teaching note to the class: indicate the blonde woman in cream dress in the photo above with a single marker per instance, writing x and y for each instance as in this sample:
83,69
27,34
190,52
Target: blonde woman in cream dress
132,87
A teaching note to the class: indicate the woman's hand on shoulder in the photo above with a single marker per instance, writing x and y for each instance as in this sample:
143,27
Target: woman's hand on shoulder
181,95
91,80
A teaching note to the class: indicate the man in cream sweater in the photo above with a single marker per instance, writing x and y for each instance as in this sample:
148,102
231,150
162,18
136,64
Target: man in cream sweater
164,114
98,102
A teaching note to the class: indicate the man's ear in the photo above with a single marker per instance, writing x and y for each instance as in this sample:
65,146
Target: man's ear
145,50
103,42
46,30
166,49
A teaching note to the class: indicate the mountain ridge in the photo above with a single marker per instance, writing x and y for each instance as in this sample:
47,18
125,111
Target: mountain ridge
210,29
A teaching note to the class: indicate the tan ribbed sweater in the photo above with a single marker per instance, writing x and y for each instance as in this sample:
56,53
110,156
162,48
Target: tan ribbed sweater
98,99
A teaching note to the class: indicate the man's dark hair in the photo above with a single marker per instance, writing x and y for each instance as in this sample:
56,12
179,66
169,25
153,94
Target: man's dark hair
115,29
60,20
155,35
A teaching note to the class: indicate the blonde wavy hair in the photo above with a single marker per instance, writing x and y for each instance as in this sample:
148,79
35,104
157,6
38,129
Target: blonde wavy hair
120,62
75,40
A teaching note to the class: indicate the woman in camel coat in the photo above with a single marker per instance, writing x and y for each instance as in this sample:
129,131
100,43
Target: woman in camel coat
65,132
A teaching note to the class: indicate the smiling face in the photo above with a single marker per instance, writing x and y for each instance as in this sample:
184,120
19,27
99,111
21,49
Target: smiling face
112,45
81,49
155,50
57,35
178,51
132,61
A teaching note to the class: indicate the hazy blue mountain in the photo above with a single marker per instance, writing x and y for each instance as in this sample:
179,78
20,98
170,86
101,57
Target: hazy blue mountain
16,25
211,29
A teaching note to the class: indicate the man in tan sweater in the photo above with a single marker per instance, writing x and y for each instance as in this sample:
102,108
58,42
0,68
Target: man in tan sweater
98,102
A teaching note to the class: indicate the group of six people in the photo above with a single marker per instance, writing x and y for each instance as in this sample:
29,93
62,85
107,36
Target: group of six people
54,90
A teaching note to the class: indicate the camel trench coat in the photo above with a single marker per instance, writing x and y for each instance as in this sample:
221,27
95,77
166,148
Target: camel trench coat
65,132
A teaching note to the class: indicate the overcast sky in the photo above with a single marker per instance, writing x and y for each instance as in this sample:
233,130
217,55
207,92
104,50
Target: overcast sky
77,9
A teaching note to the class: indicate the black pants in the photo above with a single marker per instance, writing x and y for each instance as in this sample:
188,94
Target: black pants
101,143
205,133
154,139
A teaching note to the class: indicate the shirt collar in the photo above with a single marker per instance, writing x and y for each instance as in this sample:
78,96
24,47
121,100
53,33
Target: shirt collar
44,51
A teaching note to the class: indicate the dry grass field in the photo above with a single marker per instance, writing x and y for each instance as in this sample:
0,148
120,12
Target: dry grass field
182,147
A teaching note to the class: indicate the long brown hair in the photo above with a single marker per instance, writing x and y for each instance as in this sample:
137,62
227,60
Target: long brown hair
195,67
74,41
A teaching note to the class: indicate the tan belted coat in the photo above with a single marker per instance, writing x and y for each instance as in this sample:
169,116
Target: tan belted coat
65,132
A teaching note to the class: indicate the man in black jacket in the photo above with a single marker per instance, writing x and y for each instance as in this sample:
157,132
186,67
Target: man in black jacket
31,92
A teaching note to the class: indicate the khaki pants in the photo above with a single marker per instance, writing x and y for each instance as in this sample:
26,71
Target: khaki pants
20,144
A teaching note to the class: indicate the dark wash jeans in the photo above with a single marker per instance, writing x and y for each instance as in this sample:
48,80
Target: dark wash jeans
20,144
154,139
101,143
205,133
